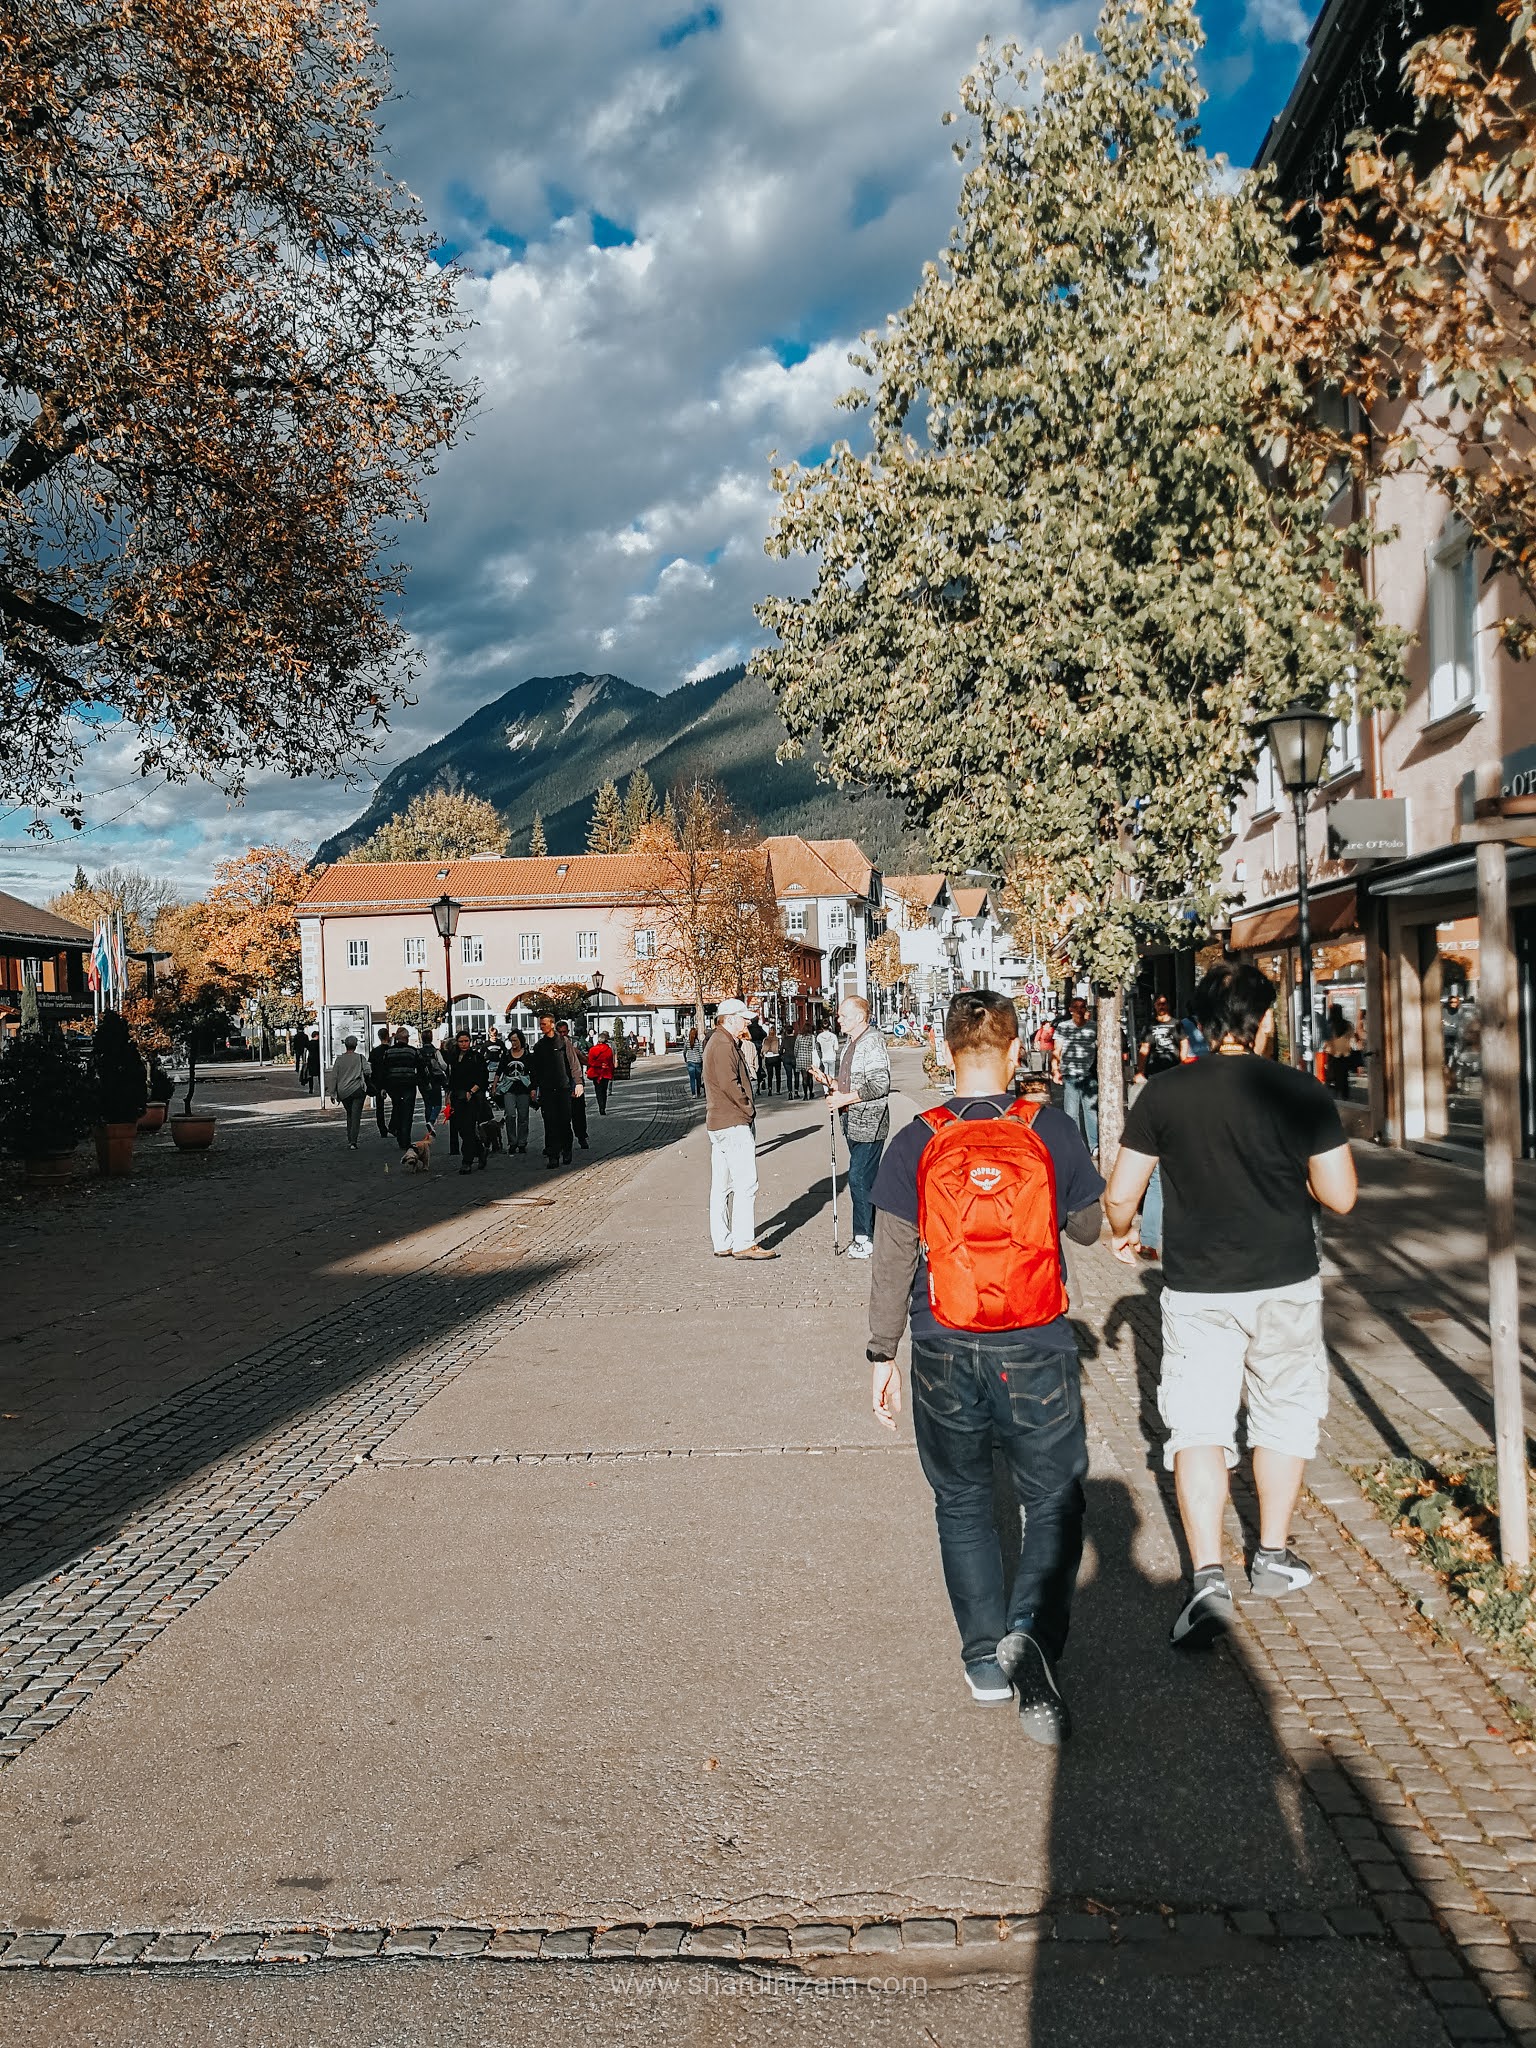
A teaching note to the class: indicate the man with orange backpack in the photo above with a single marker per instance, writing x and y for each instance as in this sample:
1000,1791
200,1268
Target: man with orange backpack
970,1204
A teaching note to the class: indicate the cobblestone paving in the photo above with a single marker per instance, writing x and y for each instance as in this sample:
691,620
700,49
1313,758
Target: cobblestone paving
1399,1736
107,1544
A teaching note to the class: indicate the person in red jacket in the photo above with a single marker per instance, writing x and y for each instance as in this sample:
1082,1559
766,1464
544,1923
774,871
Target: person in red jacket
600,1071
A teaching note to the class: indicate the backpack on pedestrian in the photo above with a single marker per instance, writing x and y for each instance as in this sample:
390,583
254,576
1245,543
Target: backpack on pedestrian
986,1216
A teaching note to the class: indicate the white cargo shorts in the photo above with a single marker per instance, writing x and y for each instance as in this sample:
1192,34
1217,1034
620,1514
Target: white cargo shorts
1265,1346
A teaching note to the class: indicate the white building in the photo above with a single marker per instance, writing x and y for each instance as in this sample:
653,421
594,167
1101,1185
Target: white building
829,893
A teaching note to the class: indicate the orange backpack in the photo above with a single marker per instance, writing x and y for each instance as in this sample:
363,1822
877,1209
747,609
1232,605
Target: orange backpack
986,1214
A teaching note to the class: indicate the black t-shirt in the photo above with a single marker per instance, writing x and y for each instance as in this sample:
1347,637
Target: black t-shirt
1077,1186
1162,1047
1233,1135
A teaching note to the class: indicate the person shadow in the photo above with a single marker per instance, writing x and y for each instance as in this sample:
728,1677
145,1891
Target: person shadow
1197,1878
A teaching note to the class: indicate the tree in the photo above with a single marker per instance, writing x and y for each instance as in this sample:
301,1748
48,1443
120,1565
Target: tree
225,369
606,832
538,845
691,902
250,924
1049,622
1425,273
140,897
883,960
749,939
640,806
409,1006
440,824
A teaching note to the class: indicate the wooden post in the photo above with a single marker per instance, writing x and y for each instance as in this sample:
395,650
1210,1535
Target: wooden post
1496,1000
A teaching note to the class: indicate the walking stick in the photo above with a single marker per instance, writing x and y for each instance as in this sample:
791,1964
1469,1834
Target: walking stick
832,1136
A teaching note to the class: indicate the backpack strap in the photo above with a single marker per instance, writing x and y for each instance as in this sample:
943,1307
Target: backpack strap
1024,1110
937,1118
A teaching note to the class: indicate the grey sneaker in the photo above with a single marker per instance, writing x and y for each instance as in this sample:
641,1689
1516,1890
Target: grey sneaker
1205,1615
989,1683
1274,1573
1043,1712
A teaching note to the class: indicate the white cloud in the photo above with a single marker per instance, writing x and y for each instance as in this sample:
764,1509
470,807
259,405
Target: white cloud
1277,21
767,189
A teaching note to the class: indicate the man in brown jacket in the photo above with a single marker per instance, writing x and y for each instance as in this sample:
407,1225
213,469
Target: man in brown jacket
730,1111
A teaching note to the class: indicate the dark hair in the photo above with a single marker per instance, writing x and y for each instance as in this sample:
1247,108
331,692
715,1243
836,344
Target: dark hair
981,1020
522,1042
1232,1002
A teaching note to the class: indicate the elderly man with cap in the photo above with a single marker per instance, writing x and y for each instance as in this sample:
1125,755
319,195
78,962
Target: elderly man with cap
730,1116
347,1083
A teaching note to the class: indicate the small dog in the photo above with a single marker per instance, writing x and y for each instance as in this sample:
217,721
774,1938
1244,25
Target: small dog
417,1157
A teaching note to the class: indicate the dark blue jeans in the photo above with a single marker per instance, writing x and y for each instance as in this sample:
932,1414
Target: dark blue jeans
863,1165
966,1402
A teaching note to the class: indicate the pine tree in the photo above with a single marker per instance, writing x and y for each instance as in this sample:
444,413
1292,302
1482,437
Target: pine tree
639,805
606,833
79,885
1049,620
538,845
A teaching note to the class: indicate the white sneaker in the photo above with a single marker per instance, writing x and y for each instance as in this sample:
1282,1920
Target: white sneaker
862,1248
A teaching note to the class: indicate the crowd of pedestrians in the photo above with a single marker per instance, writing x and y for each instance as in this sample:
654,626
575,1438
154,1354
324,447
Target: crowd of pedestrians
1227,1159
483,1092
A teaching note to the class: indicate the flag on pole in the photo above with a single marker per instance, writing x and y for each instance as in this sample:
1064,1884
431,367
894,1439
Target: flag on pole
119,962
95,965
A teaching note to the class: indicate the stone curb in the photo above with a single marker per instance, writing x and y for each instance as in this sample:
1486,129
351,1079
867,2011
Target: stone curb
781,1941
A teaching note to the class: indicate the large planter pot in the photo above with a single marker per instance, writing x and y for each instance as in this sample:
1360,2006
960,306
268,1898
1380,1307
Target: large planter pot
152,1119
192,1133
114,1147
49,1169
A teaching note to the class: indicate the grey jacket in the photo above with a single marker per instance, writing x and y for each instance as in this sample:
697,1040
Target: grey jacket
348,1076
870,1079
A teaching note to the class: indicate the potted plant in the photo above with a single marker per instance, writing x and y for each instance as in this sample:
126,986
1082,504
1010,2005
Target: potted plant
623,1051
190,1010
45,1104
122,1095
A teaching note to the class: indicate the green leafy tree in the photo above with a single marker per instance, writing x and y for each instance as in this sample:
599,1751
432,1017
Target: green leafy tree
1051,599
440,824
640,807
410,1006
606,832
538,845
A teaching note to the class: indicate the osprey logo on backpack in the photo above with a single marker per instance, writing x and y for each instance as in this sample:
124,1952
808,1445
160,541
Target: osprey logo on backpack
986,1214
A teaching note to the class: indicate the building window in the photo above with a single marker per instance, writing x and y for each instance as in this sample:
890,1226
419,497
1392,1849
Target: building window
472,951
415,952
1452,621
837,918
357,952
530,948
795,920
1267,797
1344,747
645,944
586,945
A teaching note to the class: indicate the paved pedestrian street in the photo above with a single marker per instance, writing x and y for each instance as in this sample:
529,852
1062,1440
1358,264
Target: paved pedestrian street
447,1610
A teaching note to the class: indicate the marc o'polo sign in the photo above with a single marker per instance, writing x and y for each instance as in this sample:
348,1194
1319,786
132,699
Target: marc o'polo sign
1517,777
1369,828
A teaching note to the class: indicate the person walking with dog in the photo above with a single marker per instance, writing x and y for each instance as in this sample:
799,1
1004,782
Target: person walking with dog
550,1072
347,1085
730,1117
399,1067
970,1203
470,1101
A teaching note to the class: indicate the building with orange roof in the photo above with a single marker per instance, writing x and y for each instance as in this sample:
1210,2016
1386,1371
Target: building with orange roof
831,897
366,931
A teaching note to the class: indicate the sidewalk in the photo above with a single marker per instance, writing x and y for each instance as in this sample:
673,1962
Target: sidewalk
565,1602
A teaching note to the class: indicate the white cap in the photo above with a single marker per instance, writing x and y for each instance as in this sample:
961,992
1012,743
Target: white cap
731,1007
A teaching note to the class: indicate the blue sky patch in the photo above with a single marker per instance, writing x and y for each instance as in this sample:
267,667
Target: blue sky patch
789,353
611,234
699,24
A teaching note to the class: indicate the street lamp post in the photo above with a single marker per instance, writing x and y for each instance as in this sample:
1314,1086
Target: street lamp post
421,1005
596,1003
445,915
1298,740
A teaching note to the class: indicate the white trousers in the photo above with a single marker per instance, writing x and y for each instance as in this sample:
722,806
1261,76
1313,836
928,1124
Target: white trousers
732,1187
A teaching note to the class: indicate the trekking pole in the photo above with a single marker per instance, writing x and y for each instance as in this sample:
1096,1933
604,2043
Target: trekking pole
832,1136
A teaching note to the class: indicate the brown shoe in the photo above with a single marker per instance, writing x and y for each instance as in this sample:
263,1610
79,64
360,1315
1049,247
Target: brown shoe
755,1251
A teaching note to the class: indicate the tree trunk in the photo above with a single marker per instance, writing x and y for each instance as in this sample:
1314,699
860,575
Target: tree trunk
1111,1078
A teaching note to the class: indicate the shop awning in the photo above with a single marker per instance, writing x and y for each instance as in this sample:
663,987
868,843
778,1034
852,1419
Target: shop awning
1279,925
1450,871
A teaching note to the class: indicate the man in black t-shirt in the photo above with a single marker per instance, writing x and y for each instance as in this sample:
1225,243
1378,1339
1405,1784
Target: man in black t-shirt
972,1390
1248,1151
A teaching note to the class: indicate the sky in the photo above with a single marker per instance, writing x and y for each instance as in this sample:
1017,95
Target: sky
675,220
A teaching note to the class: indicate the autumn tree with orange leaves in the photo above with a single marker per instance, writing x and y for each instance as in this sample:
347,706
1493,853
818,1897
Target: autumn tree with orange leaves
225,369
1421,302
251,929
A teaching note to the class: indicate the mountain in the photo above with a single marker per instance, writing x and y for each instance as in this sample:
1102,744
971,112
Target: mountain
551,743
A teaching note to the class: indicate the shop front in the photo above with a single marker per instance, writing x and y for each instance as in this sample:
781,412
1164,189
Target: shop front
1341,1000
1424,915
